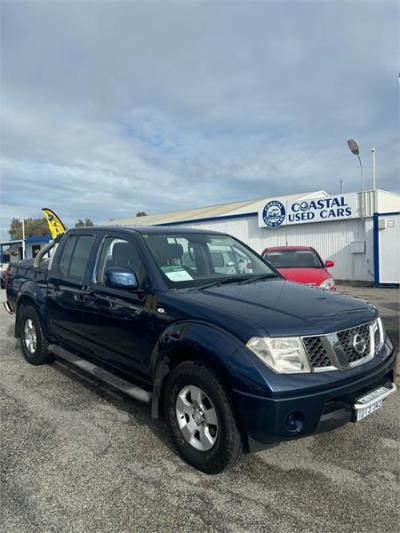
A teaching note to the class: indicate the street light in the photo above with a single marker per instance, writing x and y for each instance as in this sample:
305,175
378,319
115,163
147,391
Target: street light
355,149
23,238
373,168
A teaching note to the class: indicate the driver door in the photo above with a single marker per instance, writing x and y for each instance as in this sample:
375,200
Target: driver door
116,322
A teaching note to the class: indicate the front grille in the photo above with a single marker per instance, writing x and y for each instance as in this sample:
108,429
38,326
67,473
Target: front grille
346,340
317,354
324,351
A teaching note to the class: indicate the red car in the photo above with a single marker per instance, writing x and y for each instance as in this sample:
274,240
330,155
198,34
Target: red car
302,264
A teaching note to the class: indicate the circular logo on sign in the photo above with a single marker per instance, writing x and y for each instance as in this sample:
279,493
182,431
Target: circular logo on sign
359,344
274,214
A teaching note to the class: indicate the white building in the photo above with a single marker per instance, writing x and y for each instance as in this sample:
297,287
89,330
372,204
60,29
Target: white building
358,231
12,251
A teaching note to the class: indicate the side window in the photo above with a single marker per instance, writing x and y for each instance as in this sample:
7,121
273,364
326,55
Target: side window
119,253
80,257
67,255
76,256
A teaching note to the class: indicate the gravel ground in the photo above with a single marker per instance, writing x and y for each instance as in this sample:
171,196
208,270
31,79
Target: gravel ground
75,456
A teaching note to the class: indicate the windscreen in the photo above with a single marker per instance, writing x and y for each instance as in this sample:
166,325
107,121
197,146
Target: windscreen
294,259
191,259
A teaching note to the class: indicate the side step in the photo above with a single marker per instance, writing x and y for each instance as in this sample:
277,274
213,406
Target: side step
7,307
118,383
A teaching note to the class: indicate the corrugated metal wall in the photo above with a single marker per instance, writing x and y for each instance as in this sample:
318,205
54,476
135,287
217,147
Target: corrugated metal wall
388,231
331,239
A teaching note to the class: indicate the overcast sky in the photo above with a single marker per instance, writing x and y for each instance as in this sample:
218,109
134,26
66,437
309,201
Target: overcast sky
110,108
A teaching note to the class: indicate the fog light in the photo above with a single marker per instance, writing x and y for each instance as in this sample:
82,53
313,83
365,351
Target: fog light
295,421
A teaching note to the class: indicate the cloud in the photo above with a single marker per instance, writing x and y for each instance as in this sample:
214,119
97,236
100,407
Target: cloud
111,108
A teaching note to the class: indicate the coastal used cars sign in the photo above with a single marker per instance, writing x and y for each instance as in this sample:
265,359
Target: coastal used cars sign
278,213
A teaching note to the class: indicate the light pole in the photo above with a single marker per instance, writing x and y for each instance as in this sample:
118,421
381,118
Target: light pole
355,149
23,238
373,169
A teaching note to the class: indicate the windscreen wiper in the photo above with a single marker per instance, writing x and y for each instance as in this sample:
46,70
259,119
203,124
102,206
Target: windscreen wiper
270,275
223,281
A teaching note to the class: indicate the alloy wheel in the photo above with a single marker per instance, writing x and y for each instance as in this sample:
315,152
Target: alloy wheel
30,336
197,418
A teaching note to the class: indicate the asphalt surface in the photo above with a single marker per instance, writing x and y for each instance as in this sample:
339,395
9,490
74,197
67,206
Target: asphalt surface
75,456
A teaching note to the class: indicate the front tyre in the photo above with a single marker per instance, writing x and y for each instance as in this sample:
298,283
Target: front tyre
33,342
201,419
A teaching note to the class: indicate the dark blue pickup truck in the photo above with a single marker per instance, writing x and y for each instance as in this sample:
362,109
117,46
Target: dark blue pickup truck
200,326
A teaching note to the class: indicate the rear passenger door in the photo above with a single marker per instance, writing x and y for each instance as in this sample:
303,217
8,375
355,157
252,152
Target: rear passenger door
65,283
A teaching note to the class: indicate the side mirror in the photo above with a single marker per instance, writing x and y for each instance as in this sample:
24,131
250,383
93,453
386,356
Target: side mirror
329,263
121,278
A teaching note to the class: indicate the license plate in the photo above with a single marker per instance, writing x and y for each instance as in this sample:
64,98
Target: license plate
365,411
370,403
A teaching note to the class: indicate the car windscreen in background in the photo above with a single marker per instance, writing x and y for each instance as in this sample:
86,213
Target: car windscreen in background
294,259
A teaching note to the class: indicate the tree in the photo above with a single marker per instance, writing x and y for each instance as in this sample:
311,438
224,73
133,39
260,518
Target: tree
34,227
141,214
84,223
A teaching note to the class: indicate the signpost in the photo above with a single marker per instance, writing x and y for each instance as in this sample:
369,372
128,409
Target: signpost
278,213
23,238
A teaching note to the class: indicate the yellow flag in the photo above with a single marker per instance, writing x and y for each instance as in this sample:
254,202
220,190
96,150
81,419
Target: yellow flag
55,225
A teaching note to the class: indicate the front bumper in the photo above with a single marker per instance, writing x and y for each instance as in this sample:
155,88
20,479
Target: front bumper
268,420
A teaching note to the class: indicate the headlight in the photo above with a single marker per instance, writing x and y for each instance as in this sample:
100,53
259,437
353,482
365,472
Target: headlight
328,284
285,355
382,335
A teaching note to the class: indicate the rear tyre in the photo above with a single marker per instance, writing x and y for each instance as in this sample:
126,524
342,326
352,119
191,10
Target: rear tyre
202,423
33,342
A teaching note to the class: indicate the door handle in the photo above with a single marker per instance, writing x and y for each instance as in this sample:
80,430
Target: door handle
86,295
89,295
